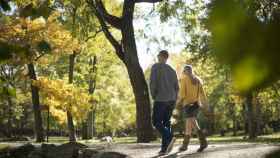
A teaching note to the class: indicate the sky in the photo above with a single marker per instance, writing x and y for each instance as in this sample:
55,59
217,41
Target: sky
149,45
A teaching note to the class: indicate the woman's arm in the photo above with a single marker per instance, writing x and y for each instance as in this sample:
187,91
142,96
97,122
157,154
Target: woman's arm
202,96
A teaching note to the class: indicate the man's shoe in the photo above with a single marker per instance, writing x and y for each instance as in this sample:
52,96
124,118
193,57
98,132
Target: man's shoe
161,153
185,144
170,145
202,140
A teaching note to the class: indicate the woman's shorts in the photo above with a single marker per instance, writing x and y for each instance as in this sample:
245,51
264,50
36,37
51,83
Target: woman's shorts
190,110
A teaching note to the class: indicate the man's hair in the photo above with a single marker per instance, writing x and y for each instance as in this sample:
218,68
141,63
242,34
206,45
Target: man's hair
164,53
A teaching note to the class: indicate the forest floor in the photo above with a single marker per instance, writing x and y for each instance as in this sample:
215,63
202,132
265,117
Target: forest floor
219,147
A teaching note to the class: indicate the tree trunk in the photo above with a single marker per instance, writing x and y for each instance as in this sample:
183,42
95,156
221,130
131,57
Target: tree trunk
70,123
136,76
84,130
88,125
234,125
259,120
39,131
71,127
9,127
232,114
127,52
92,85
93,123
251,117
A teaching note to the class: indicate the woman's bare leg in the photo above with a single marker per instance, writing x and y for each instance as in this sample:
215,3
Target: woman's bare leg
189,126
195,124
187,136
201,136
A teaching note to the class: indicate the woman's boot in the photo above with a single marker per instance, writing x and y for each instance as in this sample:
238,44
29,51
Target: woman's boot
185,144
202,140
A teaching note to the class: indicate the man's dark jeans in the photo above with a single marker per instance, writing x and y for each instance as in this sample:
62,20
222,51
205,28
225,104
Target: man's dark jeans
162,113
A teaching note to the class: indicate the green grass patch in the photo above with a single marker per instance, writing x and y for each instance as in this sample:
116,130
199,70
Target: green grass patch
272,138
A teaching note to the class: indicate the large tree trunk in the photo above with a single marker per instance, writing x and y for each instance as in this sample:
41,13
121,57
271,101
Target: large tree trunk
127,52
70,123
251,117
137,78
39,131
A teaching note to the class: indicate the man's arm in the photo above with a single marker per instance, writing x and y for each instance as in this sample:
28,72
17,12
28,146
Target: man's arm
153,80
176,86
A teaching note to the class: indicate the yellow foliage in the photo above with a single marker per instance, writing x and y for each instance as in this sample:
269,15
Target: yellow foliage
24,3
27,33
61,96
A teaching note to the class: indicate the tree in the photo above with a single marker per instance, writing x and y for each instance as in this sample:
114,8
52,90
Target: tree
61,96
243,36
82,29
7,93
127,52
114,110
27,40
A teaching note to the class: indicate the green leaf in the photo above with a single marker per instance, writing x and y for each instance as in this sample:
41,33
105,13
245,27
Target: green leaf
5,5
12,92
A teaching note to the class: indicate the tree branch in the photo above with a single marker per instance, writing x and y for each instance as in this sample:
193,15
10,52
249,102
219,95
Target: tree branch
93,36
40,56
105,29
112,20
147,1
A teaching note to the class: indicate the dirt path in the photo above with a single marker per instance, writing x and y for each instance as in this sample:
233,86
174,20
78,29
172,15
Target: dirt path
232,150
228,150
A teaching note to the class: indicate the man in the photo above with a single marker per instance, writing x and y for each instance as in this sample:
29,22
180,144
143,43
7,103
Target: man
164,89
191,97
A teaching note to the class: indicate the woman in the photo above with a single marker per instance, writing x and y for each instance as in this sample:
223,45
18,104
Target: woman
191,97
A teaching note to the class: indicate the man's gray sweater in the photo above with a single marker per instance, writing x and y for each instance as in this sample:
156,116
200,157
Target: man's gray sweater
163,83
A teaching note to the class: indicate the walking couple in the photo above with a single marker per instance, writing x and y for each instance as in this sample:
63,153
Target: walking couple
164,88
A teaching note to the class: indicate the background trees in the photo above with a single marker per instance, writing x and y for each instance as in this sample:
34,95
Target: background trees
71,55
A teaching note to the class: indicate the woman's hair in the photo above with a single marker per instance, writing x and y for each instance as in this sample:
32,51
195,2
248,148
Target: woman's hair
188,70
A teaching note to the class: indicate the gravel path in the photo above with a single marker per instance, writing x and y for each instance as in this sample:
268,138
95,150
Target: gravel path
232,150
227,150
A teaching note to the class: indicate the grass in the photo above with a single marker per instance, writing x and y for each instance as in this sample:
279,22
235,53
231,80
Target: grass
272,138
